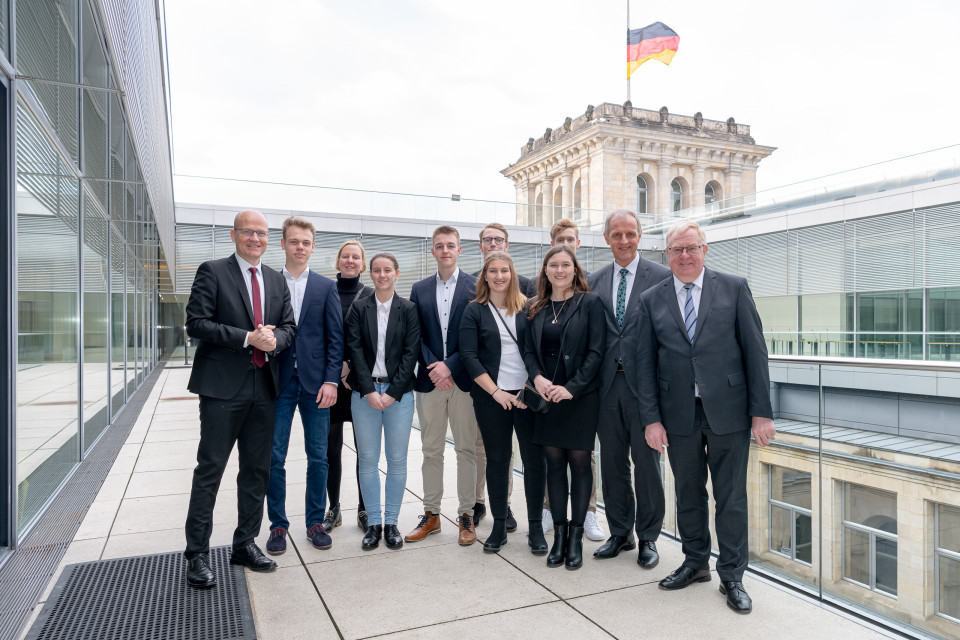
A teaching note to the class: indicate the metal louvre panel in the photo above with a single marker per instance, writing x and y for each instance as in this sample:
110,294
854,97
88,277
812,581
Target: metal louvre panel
817,258
880,261
723,256
412,254
194,247
117,252
133,39
325,253
767,264
936,247
37,268
223,246
528,257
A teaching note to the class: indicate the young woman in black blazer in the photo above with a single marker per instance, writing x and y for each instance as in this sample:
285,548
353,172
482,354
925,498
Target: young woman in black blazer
493,327
383,341
564,349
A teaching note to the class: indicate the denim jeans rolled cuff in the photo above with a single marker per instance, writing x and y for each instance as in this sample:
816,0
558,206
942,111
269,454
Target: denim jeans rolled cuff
392,426
316,431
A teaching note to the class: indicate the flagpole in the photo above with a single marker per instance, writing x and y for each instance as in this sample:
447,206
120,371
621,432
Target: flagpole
628,50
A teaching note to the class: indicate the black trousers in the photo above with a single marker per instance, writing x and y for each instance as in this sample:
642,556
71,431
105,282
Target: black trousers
247,421
726,456
496,428
621,438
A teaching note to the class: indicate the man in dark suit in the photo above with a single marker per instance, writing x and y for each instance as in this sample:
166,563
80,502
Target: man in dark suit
309,371
443,386
704,381
239,310
493,237
619,429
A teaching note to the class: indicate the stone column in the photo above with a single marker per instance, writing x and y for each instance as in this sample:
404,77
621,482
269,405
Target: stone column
531,199
699,184
585,191
664,202
566,183
547,190
732,178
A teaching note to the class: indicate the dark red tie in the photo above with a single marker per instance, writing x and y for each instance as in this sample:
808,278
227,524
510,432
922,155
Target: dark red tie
258,358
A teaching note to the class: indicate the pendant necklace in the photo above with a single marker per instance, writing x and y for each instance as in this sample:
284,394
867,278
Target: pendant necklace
556,314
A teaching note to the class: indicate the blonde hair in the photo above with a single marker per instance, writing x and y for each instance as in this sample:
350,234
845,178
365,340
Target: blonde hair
363,255
499,227
295,221
560,225
514,298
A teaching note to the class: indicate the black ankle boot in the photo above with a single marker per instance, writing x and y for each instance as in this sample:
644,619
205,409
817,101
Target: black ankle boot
372,539
538,543
574,557
498,536
559,549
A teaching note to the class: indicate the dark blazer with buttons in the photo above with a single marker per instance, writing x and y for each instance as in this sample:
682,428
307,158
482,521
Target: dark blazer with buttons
727,359
318,347
582,346
622,341
480,345
424,296
402,345
220,315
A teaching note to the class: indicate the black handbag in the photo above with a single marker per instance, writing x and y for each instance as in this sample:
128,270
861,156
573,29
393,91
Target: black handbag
528,395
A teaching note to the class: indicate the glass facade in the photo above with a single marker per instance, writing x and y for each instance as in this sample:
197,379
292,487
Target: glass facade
791,532
870,538
85,246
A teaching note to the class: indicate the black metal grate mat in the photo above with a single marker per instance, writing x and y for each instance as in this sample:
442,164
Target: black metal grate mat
146,598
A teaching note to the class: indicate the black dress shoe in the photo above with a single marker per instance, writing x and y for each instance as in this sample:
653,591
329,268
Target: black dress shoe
536,539
391,535
574,559
737,598
614,545
250,556
648,557
683,577
199,573
497,537
479,510
372,538
511,521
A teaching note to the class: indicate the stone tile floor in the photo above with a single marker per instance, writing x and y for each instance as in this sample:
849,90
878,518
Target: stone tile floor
430,589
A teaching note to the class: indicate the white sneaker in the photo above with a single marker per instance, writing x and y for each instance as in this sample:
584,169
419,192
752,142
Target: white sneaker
592,528
547,521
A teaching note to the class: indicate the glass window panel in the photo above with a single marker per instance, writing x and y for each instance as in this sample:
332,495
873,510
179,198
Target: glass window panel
870,507
890,345
943,346
676,196
891,310
826,312
781,530
118,330
96,325
94,63
641,195
117,138
804,537
47,39
887,566
94,160
856,555
949,531
949,587
790,486
4,26
943,309
778,313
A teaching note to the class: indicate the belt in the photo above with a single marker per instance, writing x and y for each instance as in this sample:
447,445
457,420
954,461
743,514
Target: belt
381,380
620,368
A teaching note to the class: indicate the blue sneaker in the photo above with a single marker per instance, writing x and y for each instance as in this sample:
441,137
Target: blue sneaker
277,543
319,537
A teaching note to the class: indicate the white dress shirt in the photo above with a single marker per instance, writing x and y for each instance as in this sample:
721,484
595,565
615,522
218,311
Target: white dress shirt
297,287
512,374
682,301
245,272
631,276
383,317
445,291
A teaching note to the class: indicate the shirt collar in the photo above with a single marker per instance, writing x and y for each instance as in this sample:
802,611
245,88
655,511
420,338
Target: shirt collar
289,276
245,266
453,277
632,267
384,305
678,285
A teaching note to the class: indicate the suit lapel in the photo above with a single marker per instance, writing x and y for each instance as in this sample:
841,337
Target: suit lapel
432,299
372,321
308,294
605,287
234,267
706,301
639,284
670,299
392,322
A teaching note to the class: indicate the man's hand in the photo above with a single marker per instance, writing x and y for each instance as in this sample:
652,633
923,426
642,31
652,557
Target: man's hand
327,396
344,372
373,399
262,338
438,371
763,431
444,383
656,436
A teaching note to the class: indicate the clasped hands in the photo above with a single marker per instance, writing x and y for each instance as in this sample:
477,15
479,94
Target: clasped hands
262,338
379,401
440,375
507,400
551,392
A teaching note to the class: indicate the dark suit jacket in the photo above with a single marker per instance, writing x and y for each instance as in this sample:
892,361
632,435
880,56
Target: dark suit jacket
401,350
582,346
728,357
220,314
424,296
524,282
622,342
319,342
480,344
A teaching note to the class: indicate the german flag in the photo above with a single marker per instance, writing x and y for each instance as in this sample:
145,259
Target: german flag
653,42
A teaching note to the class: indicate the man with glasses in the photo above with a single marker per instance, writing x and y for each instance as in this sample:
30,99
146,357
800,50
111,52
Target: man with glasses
704,382
443,387
309,373
239,310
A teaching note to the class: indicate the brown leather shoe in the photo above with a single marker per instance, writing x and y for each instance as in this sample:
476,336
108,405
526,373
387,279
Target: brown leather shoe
429,523
468,534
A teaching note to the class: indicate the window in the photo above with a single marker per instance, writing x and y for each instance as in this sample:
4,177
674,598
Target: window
870,538
676,196
641,195
791,525
709,194
948,561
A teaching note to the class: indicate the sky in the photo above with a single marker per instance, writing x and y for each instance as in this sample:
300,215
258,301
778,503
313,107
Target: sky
437,96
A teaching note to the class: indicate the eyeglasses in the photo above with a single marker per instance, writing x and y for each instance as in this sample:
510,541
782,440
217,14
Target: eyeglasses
497,241
306,244
248,233
676,250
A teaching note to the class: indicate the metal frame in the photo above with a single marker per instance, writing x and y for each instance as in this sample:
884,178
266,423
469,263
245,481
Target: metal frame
873,534
938,553
793,510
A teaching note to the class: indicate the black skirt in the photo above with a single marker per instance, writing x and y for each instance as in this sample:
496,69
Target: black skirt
569,424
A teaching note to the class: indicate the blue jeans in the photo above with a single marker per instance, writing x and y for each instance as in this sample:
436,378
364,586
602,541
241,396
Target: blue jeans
395,423
316,430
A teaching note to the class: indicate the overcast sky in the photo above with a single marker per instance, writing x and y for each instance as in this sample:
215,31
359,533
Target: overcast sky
437,96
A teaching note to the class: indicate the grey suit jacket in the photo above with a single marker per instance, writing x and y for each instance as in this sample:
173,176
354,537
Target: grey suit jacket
622,342
727,359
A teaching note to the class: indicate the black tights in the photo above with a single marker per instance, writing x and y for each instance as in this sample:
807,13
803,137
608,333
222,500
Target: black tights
335,470
580,486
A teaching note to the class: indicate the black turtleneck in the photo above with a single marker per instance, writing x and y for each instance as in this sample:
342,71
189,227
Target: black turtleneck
349,289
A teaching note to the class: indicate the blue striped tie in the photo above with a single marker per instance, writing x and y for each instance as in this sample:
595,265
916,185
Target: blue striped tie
689,312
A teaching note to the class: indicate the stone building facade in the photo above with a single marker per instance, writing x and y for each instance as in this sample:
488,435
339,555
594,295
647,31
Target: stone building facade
616,156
